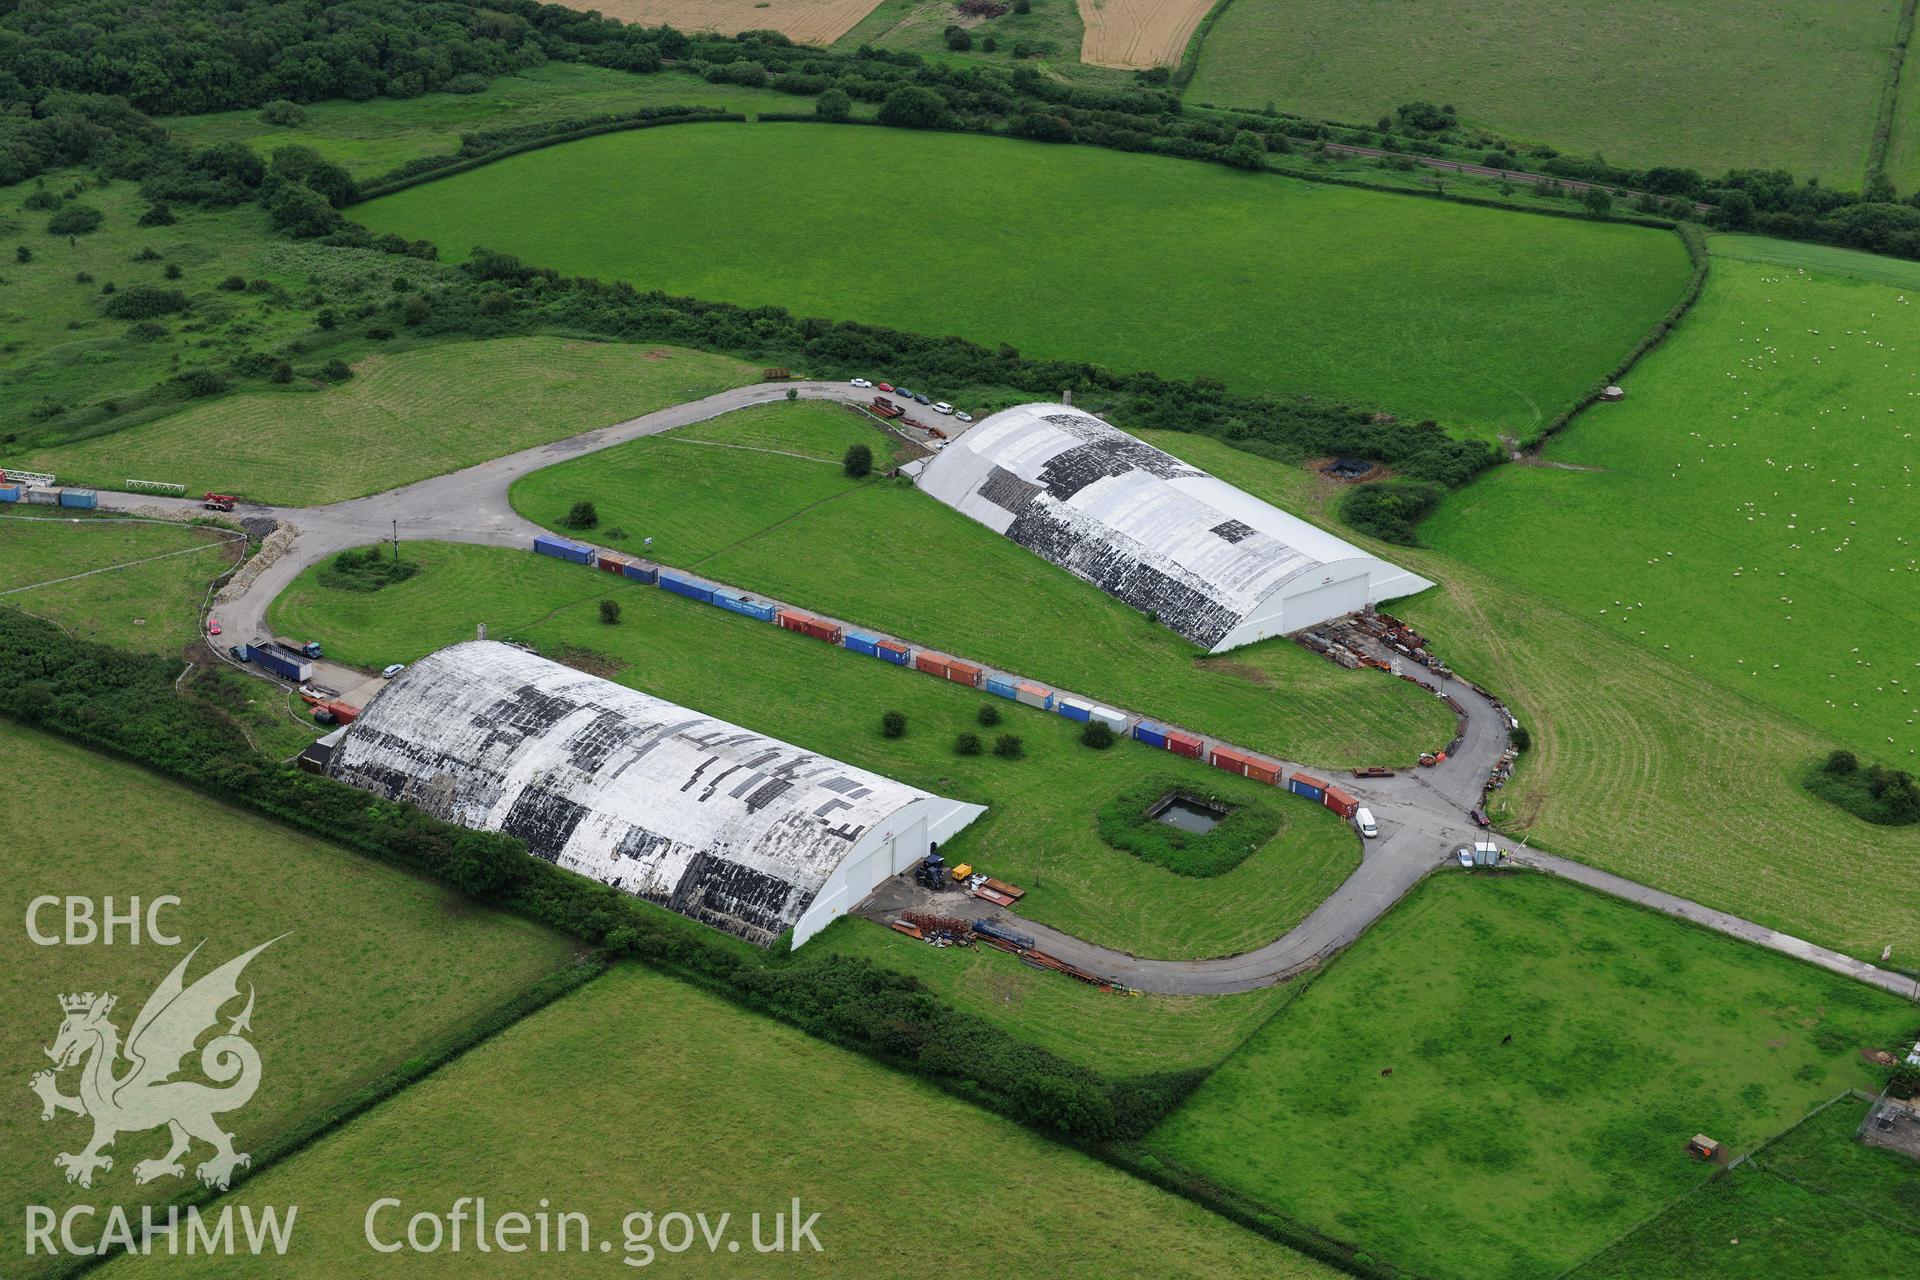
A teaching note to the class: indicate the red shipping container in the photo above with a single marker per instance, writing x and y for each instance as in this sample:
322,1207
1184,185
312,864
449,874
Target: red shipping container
1261,771
933,664
1183,744
1340,802
807,626
612,563
963,673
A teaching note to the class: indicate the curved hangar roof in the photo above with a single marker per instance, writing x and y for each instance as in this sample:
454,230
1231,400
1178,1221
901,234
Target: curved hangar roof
1217,565
732,828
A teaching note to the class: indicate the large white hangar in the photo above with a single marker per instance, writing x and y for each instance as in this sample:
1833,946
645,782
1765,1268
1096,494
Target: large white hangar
733,828
1215,564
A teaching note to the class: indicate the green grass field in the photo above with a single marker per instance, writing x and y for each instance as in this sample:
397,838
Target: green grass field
639,1094
151,607
376,137
803,532
1786,86
1748,512
1812,1205
1641,765
1117,1036
1039,831
1051,29
1386,1107
403,417
67,370
376,968
1487,321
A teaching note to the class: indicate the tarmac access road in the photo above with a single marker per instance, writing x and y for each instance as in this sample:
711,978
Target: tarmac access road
1423,813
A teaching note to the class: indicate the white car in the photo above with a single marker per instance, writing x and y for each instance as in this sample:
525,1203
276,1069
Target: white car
1363,819
392,671
943,407
862,383
964,417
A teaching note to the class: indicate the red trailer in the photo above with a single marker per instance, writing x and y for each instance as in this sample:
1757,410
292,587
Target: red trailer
1245,765
1183,744
1340,802
807,625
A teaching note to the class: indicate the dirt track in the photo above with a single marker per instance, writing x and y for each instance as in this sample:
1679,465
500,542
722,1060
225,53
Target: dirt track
1134,35
816,22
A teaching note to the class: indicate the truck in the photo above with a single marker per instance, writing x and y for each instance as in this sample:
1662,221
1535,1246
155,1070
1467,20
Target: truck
310,648
218,501
887,408
285,663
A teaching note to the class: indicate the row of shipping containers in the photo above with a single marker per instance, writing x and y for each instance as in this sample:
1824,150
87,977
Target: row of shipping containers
39,495
1026,692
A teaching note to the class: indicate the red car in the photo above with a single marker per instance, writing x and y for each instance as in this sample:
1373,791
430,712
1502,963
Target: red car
883,386
213,626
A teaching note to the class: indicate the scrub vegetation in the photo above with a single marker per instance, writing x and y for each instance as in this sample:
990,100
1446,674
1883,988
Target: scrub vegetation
634,1053
1785,87
806,534
1539,1056
403,417
424,962
375,137
1129,822
1039,829
1641,765
1813,1204
1485,321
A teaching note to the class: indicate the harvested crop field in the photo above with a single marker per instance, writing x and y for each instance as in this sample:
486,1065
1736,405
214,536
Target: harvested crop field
1135,34
818,22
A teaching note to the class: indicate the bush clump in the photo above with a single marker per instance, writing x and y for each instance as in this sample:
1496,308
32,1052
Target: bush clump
1097,735
1875,793
581,515
143,302
609,612
285,114
967,744
75,220
1008,746
893,725
1391,510
989,715
858,462
365,570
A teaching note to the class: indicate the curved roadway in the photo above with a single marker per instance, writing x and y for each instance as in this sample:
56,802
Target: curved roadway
1423,813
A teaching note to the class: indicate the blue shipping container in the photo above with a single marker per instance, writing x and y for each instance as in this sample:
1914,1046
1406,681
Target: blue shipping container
9,493
1306,789
899,657
84,498
562,549
1154,735
682,587
862,644
1004,688
641,573
734,602
1074,710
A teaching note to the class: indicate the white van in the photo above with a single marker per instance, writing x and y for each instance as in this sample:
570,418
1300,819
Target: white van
1363,819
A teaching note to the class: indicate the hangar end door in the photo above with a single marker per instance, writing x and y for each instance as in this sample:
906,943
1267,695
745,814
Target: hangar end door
1329,600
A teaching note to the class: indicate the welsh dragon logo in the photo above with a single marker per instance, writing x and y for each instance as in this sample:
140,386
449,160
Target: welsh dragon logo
144,1095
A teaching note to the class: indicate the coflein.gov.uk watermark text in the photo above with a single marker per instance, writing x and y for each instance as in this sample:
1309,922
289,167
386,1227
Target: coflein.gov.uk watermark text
470,1225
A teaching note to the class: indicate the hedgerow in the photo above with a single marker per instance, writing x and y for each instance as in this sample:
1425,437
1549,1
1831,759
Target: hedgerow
124,704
